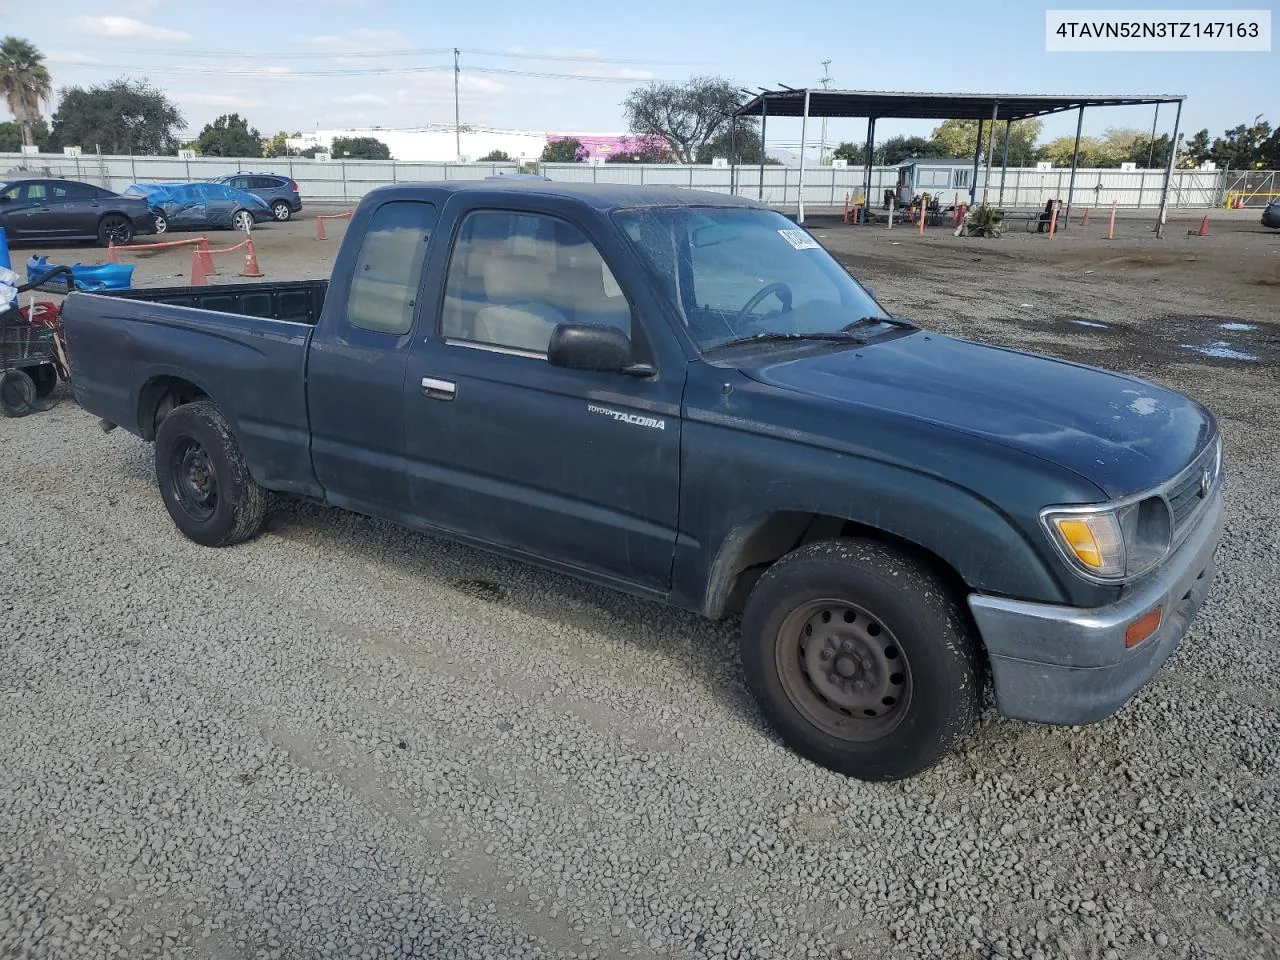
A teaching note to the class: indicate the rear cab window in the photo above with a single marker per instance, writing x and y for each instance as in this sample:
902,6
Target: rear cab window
513,277
388,267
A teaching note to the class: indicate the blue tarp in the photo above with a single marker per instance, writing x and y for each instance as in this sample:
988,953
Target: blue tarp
193,206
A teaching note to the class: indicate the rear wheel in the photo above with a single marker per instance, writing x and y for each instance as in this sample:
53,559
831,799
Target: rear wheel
17,393
242,220
204,480
114,228
281,210
861,658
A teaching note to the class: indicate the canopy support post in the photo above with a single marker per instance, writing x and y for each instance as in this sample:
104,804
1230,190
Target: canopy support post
1075,162
991,142
804,126
866,179
973,177
1004,162
764,126
1168,172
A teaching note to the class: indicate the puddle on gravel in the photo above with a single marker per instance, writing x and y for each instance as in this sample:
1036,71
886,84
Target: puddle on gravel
1091,323
1237,326
1220,350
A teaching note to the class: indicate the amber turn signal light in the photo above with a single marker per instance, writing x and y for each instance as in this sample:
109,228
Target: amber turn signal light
1142,628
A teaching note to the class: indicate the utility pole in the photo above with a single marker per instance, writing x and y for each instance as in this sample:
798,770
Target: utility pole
822,146
457,123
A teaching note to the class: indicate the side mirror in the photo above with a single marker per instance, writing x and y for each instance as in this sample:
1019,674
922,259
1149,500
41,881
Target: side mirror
871,292
5,198
590,346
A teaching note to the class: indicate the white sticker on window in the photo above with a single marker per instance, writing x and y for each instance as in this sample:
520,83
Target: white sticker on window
799,239
611,288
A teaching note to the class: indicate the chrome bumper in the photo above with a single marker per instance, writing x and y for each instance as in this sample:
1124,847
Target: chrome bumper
1069,665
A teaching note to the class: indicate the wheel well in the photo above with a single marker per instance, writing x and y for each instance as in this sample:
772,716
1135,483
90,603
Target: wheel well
159,398
782,533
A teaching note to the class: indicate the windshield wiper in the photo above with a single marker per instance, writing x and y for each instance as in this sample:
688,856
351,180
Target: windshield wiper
834,336
866,321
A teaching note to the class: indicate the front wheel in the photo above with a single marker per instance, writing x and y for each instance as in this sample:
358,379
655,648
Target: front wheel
162,223
861,658
242,221
281,211
204,480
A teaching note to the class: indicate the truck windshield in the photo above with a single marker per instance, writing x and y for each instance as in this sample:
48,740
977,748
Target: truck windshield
749,275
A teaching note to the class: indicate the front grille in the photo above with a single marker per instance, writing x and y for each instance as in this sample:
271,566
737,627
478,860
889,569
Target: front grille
1192,489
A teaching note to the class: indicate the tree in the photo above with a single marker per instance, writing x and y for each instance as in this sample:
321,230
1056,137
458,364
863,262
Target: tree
1196,150
277,146
740,143
496,156
960,137
1093,152
687,116
1241,147
11,137
896,149
25,83
123,116
360,148
229,136
564,150
641,150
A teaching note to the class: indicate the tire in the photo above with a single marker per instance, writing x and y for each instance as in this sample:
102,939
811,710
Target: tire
906,672
281,211
204,480
114,228
45,378
17,393
242,220
162,223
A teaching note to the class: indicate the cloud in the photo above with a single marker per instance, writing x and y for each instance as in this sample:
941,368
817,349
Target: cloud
126,27
363,40
72,57
363,100
220,100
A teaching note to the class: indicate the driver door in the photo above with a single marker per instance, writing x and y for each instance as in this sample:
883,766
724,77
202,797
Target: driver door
577,467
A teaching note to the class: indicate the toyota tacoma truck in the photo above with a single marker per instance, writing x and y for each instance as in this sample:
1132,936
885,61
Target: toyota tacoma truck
684,396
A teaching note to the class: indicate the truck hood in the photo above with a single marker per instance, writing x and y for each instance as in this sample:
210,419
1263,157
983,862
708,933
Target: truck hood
1122,434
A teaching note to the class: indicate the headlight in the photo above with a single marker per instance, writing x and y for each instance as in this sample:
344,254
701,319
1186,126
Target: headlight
1112,544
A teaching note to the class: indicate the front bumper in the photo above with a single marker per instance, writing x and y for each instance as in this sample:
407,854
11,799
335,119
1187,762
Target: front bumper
1069,665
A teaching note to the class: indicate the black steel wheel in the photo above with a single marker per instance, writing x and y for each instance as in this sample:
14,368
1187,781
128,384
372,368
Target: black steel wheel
114,228
843,670
862,658
17,393
204,480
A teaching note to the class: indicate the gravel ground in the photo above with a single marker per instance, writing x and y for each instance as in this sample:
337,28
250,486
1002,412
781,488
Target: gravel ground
347,740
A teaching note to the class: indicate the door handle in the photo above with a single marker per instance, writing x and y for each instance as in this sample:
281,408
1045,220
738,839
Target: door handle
439,389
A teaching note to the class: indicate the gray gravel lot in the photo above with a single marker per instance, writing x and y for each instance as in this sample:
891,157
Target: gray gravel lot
348,740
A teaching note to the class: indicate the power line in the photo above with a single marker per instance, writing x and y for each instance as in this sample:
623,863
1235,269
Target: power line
825,81
399,52
361,72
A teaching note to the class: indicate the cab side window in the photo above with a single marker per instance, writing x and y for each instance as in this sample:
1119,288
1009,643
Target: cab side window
388,268
513,277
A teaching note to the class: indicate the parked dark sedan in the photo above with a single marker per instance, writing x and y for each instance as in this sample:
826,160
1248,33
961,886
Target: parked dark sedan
1271,215
70,210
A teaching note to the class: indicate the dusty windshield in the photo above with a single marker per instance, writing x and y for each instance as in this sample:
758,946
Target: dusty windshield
740,275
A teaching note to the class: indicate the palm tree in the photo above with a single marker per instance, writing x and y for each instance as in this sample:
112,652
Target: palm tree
24,81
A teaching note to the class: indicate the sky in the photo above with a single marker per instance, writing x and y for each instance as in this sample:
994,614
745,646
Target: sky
565,65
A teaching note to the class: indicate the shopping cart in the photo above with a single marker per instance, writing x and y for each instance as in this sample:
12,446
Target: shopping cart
33,355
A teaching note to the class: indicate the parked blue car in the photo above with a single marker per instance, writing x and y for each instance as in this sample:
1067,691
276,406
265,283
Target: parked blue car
280,193
201,205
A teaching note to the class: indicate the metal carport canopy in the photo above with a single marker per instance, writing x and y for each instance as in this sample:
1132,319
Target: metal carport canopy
932,106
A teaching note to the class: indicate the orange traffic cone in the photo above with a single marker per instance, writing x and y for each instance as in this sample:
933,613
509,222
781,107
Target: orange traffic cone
320,228
1085,221
251,268
1204,226
199,273
206,257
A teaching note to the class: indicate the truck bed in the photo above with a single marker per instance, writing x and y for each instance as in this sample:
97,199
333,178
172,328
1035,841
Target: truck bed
297,301
245,344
